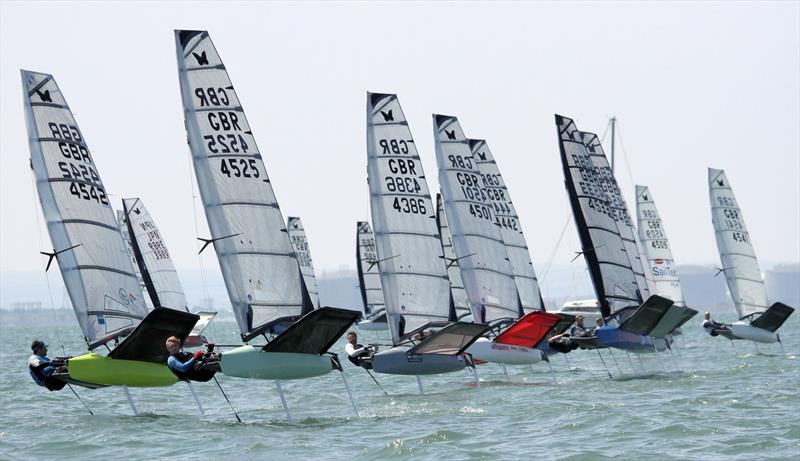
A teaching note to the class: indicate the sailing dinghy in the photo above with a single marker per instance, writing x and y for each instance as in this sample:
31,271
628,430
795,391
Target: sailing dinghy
154,265
480,249
609,248
757,322
658,254
410,260
297,235
260,268
91,254
369,280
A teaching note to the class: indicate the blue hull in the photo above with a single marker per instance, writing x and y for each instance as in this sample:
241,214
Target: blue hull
620,339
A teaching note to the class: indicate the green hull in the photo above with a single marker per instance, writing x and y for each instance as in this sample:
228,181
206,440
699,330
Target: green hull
94,368
249,362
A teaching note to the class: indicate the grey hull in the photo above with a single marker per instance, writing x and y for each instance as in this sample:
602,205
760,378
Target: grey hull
400,362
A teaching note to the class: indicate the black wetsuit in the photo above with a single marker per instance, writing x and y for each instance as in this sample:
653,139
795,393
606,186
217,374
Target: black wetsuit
202,371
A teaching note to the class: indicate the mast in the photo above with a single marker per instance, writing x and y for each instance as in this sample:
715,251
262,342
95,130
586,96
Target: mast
369,279
613,137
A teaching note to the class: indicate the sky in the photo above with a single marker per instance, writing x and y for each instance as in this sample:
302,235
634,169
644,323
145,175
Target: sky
693,85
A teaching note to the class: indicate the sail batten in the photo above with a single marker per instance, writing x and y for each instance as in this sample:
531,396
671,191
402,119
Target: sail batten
480,251
261,273
739,262
91,253
411,264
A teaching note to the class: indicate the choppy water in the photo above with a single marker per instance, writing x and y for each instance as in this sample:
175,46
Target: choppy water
725,402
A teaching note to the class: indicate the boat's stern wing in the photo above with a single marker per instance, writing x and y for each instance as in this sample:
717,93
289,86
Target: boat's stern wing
647,316
453,339
672,319
146,342
529,330
564,323
773,318
315,332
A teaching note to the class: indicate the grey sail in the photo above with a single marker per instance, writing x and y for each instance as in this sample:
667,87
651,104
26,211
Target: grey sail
123,229
152,256
614,280
739,261
369,279
297,235
248,232
656,248
619,209
460,298
510,227
91,253
410,260
477,242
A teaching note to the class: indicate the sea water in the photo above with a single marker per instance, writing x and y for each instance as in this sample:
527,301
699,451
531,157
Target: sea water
709,399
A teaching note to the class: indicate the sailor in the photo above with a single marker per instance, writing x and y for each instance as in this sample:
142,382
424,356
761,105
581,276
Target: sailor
195,367
711,326
358,354
42,367
579,331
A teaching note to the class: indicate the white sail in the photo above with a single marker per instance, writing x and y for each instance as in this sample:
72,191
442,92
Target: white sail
413,273
655,245
91,253
123,229
605,253
460,299
248,232
739,261
369,279
510,227
478,245
153,258
619,208
297,235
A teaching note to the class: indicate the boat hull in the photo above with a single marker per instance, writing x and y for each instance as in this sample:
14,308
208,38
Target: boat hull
486,350
251,362
95,369
632,342
743,330
400,362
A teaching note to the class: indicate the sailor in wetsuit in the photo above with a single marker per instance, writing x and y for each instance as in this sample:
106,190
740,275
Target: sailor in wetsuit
359,355
42,367
195,367
713,327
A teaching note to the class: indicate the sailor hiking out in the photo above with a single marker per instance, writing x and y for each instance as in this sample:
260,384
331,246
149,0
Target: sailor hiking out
563,342
42,367
713,327
196,367
358,354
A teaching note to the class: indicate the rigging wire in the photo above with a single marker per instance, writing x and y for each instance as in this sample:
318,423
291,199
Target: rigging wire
552,256
625,156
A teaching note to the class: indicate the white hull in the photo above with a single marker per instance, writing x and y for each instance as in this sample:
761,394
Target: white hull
370,325
744,330
487,350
